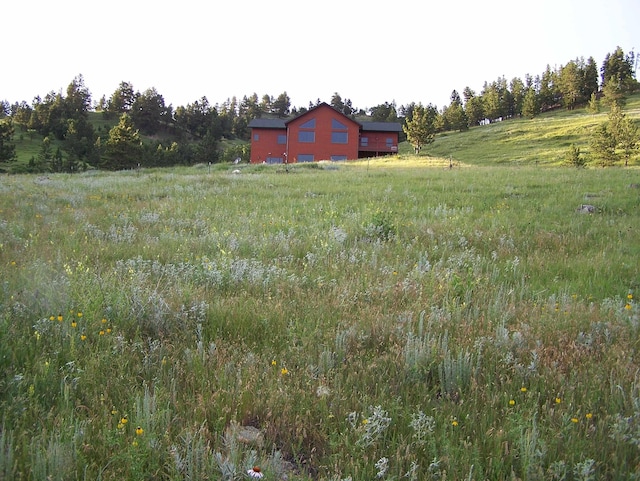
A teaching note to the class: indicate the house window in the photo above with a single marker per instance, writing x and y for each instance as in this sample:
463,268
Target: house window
389,142
305,158
339,137
335,125
309,124
338,158
256,137
306,136
274,160
282,139
364,141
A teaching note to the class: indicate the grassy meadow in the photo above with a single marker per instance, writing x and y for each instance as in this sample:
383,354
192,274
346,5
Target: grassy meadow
543,140
392,319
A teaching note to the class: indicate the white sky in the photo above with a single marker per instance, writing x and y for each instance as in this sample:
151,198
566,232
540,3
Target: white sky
369,52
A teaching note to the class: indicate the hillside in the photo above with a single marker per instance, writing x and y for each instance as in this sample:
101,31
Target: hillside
544,139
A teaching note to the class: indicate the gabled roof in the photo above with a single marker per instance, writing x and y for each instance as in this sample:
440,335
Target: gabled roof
381,126
261,123
320,105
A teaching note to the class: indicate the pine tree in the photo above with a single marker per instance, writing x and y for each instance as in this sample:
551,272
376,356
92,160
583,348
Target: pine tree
530,106
603,145
421,128
573,156
7,147
123,149
593,107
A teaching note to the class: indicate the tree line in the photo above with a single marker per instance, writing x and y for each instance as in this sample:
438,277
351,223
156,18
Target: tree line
576,84
149,132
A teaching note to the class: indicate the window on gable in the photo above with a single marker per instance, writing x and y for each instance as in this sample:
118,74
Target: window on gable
306,136
339,137
282,139
256,137
337,125
309,124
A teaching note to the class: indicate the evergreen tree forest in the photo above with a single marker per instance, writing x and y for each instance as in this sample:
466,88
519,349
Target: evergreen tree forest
138,128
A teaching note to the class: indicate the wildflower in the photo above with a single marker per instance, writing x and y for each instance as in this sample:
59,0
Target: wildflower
74,324
273,363
60,318
588,415
627,306
284,371
365,421
629,296
124,420
103,321
108,331
101,332
255,472
52,318
139,431
134,443
512,402
523,389
79,314
83,337
454,423
574,420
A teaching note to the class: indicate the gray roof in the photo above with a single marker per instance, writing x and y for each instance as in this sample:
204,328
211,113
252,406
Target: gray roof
267,124
366,126
381,126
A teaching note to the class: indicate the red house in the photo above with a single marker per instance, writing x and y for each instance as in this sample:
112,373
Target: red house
321,133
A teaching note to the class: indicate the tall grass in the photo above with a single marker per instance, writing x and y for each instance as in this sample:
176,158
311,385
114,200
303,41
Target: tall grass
379,320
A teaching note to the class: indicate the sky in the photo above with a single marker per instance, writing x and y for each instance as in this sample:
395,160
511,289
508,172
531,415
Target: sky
369,52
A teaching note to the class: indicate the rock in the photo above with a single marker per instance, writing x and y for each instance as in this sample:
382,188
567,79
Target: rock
248,435
586,209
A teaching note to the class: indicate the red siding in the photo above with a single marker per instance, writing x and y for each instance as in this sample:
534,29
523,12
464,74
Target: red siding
322,148
264,145
322,133
378,142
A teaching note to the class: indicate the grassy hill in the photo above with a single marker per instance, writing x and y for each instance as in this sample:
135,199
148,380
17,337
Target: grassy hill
544,139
